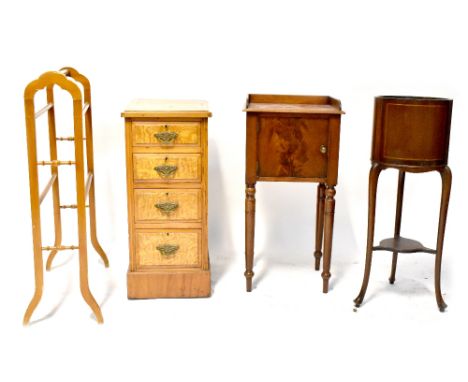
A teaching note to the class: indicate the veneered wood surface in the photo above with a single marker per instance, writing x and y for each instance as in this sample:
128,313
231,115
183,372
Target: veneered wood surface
188,254
188,204
292,108
290,147
188,133
414,132
410,134
149,108
169,283
411,131
292,139
188,186
188,167
277,103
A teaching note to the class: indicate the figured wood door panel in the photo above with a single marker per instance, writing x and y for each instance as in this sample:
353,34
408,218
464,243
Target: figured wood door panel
167,205
292,147
168,248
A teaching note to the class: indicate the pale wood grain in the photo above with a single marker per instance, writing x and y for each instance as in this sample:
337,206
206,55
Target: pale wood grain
188,254
163,107
188,205
188,167
188,133
187,273
163,284
69,80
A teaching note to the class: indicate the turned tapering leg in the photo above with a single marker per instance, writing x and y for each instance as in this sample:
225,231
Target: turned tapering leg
399,210
249,234
328,234
373,180
319,224
446,175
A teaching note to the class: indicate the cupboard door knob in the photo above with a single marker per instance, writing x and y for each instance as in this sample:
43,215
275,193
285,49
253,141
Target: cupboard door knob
323,149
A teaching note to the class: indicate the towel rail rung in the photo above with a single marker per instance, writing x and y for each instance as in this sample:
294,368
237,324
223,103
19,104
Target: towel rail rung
89,181
65,206
56,163
43,110
49,184
59,247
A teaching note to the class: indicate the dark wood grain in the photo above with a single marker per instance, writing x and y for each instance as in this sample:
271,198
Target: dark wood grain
446,175
373,181
398,213
290,147
293,139
319,224
410,134
249,234
400,244
411,131
328,235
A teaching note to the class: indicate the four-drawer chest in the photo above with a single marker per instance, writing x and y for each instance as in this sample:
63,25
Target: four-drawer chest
167,173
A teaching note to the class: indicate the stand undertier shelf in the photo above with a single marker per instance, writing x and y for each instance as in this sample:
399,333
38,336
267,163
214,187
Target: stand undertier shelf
402,245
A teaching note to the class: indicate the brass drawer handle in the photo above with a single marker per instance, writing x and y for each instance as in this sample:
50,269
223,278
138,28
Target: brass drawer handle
323,149
167,206
166,137
165,170
167,249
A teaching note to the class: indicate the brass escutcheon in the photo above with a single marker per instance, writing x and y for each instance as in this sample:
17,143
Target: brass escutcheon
166,137
167,249
165,170
167,206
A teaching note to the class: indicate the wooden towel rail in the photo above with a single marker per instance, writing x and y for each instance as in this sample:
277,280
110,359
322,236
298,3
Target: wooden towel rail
68,79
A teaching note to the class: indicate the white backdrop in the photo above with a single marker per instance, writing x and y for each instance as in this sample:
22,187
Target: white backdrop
286,328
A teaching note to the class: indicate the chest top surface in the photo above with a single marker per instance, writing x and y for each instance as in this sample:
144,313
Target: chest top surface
141,108
267,103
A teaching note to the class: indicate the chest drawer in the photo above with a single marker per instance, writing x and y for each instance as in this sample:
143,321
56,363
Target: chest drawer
166,134
172,248
167,167
292,147
168,204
